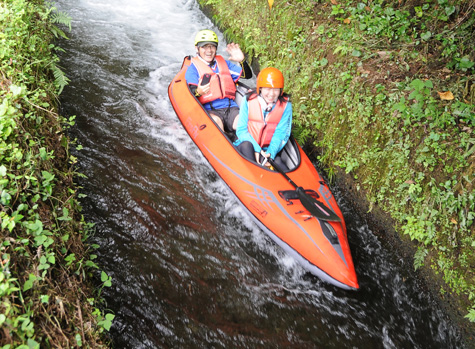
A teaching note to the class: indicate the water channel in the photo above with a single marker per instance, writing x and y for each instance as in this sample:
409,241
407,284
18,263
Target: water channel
189,268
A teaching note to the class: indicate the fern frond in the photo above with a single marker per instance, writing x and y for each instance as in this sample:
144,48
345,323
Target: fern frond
61,80
61,18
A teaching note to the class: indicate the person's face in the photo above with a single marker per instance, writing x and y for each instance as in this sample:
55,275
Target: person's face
270,94
207,52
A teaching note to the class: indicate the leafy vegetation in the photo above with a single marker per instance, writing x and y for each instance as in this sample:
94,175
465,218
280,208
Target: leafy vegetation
385,90
46,267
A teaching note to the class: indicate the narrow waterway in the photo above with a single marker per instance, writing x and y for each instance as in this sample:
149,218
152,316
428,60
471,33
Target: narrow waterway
189,268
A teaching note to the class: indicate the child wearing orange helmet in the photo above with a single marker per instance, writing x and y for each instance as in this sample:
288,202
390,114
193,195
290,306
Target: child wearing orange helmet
265,119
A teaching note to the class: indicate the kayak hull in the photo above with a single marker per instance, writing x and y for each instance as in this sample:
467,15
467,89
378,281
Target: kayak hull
321,247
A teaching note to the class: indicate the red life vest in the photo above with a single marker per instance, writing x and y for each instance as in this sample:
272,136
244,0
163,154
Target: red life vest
221,84
262,131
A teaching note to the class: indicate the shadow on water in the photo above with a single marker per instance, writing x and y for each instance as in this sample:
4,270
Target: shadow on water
189,268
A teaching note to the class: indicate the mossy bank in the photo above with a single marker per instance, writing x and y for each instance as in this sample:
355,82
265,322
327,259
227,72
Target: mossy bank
47,296
383,94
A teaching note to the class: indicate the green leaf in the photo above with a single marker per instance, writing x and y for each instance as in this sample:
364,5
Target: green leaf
78,339
43,153
16,90
5,198
107,322
48,177
29,283
426,36
417,84
36,227
70,259
466,63
32,344
51,259
106,279
2,320
39,240
65,216
449,10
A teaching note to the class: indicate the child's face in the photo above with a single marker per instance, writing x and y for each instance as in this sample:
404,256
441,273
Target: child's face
270,94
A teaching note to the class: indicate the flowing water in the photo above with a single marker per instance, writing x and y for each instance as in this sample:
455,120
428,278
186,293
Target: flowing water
189,268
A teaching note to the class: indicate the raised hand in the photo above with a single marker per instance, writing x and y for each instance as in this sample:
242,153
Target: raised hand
235,52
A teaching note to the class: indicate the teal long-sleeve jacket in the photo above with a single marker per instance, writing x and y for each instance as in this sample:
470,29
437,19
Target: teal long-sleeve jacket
281,134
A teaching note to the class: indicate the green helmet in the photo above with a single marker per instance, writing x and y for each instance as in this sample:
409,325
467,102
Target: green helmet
205,37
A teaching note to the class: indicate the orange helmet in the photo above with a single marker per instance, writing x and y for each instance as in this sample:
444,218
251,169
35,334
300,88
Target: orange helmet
270,77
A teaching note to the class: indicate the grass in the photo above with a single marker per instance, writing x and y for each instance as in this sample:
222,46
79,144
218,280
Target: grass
385,91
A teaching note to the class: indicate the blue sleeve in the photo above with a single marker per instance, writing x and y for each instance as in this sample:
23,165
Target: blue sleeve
242,131
281,133
192,76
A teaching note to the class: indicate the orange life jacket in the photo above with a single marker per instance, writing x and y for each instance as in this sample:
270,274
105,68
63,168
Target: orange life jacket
221,84
263,130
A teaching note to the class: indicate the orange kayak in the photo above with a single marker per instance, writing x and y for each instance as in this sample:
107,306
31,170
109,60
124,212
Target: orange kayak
272,198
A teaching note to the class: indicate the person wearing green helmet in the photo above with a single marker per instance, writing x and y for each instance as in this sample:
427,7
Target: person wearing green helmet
212,79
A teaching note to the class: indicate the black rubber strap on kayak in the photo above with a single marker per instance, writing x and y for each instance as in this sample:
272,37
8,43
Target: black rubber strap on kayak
288,195
316,208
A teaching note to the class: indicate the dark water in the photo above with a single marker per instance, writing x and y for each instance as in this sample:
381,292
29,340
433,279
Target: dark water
189,268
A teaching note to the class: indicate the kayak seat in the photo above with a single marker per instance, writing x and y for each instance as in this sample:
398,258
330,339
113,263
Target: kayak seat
290,155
